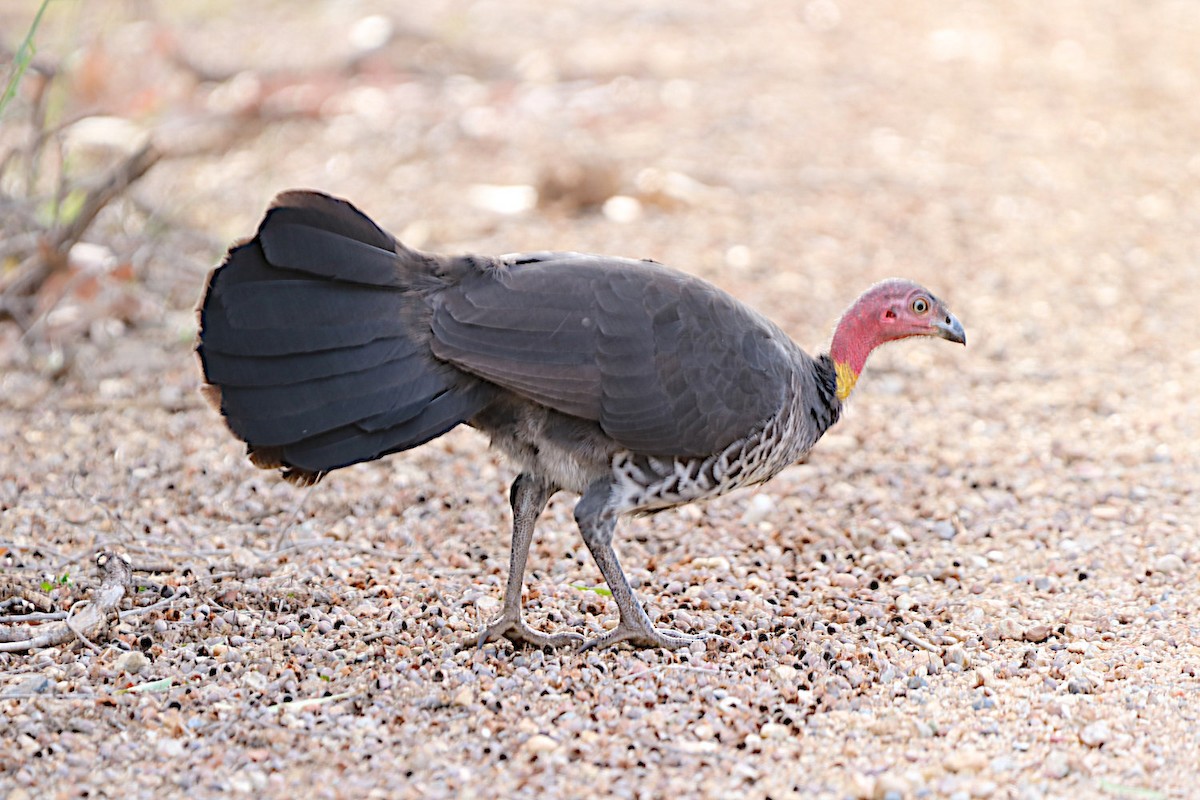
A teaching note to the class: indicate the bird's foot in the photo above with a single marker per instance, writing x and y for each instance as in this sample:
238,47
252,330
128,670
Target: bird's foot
516,631
648,636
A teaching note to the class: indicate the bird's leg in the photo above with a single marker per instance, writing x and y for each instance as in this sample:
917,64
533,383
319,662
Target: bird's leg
597,522
528,496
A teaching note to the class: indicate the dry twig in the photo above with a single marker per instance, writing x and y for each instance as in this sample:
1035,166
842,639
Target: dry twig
118,577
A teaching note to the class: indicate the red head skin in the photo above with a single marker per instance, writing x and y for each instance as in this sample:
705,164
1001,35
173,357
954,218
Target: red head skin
890,310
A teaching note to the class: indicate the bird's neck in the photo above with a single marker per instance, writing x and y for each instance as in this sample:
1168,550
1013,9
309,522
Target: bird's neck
853,340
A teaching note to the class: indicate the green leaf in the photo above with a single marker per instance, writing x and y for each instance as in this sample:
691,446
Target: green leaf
47,586
152,686
600,590
68,210
1121,790
23,58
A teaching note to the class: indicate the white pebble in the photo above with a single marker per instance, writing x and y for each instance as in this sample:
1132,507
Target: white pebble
1096,734
758,508
540,743
622,208
1168,564
133,662
773,730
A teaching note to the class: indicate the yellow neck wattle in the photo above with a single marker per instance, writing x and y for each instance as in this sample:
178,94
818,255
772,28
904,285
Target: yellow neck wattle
846,378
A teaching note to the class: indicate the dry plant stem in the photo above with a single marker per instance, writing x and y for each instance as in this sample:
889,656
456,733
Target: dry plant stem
117,578
36,616
295,515
917,641
124,174
34,271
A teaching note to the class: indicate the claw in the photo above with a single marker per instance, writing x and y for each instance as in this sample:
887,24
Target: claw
648,637
518,633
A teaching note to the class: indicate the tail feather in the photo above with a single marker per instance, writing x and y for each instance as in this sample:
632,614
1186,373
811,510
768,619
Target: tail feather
347,445
329,254
274,415
280,370
321,212
314,340
232,327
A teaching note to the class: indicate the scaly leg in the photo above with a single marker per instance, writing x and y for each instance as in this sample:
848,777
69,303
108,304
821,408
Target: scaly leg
528,496
597,522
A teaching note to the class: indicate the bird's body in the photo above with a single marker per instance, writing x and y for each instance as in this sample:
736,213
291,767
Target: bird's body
325,343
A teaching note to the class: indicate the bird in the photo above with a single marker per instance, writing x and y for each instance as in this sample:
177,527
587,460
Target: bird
325,342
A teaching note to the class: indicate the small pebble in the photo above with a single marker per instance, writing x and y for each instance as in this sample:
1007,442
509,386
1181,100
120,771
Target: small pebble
759,507
843,580
1056,766
540,743
1168,564
1038,633
1095,734
966,760
133,662
890,785
944,530
957,656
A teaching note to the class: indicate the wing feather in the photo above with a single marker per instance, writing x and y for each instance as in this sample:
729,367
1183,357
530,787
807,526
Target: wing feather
665,363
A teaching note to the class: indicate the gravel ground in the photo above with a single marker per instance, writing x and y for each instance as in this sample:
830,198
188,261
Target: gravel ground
983,583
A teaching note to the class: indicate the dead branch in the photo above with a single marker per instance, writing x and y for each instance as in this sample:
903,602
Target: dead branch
121,176
117,578
52,249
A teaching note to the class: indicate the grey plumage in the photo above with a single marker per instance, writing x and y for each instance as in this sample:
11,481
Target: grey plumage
325,342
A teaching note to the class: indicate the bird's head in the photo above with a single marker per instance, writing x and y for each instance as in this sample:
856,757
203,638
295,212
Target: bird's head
890,310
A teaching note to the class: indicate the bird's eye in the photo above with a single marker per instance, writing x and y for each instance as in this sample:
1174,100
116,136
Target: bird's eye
920,305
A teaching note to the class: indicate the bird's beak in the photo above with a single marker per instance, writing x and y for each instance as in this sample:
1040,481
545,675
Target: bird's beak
948,327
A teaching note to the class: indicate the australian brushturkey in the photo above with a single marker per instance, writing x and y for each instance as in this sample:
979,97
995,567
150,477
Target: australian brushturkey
325,342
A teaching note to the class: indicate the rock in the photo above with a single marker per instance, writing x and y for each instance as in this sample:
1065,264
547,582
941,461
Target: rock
759,507
718,563
773,730
956,655
889,785
1168,564
34,684
502,199
254,680
843,580
540,743
133,662
967,761
1095,734
1038,633
944,530
1056,766
1081,684
785,672
862,787
983,788
169,748
622,208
